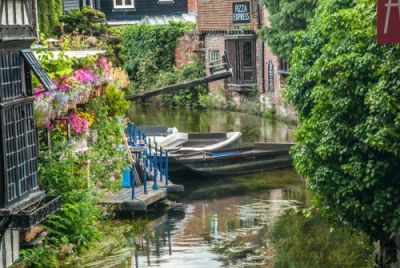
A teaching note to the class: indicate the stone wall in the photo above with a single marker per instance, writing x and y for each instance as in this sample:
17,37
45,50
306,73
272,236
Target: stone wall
9,248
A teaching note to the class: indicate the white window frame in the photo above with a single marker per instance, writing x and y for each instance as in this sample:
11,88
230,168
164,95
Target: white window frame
215,53
124,6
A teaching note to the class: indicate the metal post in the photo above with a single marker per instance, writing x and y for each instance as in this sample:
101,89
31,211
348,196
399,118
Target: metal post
166,169
134,136
150,157
155,185
145,174
161,165
133,182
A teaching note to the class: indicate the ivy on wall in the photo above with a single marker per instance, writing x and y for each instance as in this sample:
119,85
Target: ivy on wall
49,15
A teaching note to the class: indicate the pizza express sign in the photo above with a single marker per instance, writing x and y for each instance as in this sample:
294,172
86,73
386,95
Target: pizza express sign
241,12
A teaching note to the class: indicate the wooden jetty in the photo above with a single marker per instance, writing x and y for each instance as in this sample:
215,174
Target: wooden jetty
219,69
123,201
180,86
149,182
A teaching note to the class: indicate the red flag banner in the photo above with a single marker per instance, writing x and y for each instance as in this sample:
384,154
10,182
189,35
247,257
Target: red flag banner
388,21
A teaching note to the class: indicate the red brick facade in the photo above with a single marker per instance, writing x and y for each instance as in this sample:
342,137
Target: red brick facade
187,48
192,5
215,24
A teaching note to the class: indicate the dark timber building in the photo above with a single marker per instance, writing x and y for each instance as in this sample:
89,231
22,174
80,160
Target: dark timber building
19,184
133,11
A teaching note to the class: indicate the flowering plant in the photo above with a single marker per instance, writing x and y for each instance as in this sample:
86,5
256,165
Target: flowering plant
78,124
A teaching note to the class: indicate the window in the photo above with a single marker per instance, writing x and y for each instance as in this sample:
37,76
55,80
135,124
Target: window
37,69
214,55
123,4
271,78
284,66
247,54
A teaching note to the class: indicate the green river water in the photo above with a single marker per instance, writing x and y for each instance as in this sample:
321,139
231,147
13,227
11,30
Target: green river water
237,221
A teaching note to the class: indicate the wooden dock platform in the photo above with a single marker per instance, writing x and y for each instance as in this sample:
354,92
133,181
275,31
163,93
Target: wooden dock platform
122,200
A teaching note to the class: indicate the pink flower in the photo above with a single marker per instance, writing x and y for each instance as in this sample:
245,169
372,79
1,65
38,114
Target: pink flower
112,178
44,234
114,146
103,63
78,124
109,162
84,76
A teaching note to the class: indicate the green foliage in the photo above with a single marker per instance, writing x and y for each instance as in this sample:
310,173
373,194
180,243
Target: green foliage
39,257
84,21
189,97
49,13
65,174
148,50
317,243
287,17
115,101
346,89
107,159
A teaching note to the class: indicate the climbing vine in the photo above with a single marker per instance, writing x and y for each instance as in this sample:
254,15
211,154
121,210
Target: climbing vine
50,12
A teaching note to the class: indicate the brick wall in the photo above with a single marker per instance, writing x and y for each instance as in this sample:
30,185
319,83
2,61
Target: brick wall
216,15
192,5
214,41
187,48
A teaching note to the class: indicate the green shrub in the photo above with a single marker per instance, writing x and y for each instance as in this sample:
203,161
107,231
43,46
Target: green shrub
64,173
115,102
84,21
147,50
49,13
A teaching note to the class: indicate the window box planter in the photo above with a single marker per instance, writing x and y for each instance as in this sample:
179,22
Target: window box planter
36,213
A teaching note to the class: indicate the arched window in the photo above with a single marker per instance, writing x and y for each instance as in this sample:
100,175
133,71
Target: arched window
271,77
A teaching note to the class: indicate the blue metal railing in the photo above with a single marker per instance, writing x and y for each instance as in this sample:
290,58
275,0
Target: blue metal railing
152,161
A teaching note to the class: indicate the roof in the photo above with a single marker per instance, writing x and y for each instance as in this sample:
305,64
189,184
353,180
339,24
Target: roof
158,20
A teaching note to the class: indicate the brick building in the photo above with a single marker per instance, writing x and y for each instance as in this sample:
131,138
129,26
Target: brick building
232,26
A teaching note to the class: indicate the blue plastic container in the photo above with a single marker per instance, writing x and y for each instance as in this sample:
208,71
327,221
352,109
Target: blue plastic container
126,178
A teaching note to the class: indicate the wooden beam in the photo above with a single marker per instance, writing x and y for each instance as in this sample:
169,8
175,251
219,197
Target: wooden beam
180,86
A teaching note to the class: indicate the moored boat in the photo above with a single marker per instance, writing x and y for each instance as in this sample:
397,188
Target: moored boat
262,156
175,142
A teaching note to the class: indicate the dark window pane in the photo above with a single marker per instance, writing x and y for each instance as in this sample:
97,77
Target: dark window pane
128,2
118,2
271,78
247,54
248,76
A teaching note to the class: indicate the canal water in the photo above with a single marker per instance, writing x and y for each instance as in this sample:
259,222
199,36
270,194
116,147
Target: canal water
225,222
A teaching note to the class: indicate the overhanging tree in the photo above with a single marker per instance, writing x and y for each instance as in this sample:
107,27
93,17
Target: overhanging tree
287,17
346,89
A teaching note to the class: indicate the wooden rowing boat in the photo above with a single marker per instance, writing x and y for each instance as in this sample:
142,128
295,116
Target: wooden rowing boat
262,156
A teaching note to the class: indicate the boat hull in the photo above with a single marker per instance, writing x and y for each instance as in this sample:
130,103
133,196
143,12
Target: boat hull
234,165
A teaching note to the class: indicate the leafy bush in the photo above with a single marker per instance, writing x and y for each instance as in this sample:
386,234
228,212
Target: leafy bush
148,50
84,21
115,101
64,173
186,98
345,88
49,13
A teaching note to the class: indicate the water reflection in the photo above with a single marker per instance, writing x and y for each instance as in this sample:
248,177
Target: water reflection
192,235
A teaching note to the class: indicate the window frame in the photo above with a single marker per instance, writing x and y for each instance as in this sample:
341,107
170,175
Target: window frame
271,76
124,5
214,52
